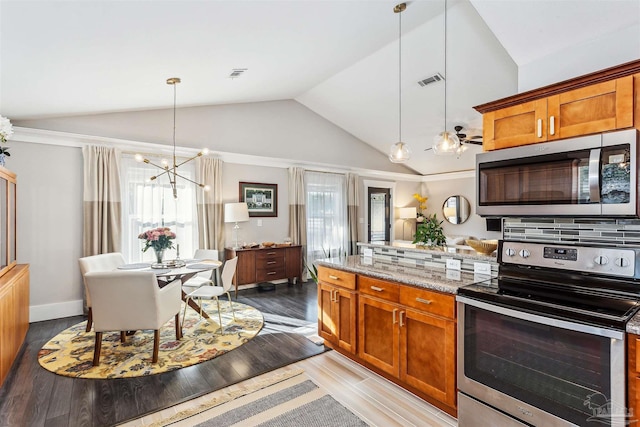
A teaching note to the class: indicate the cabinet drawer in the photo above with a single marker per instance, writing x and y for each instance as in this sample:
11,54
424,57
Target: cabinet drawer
266,274
337,277
379,288
270,263
268,254
428,301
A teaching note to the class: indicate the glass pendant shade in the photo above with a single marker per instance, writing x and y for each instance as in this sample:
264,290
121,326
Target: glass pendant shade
399,152
446,144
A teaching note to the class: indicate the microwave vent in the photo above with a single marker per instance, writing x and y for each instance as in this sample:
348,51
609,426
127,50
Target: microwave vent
432,79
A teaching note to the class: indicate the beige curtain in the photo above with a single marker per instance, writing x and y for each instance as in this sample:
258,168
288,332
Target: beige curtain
101,201
297,208
209,204
352,213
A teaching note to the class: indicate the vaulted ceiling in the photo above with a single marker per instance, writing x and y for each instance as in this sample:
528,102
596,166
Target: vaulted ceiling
340,58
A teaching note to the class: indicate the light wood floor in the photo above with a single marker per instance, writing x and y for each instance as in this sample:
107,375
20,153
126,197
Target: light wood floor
376,400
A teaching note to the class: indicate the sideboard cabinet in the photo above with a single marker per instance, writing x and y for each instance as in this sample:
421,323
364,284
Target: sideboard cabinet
598,102
261,264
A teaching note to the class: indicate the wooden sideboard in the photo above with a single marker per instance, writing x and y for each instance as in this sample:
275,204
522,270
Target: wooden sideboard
257,265
14,315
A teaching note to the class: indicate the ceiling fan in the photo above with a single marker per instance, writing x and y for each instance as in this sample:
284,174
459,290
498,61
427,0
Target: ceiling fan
464,139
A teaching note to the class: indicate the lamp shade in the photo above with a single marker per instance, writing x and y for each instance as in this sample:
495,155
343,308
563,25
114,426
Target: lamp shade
236,212
407,213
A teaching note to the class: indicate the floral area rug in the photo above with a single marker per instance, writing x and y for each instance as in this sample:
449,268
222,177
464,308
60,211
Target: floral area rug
70,353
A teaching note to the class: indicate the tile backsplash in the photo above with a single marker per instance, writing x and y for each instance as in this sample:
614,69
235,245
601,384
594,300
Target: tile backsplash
610,232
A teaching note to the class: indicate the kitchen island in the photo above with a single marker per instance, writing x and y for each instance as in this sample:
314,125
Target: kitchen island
396,315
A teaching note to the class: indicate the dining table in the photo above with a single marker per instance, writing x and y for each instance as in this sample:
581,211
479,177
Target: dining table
173,270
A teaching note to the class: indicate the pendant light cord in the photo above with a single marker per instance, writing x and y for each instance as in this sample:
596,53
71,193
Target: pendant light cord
446,76
400,77
174,126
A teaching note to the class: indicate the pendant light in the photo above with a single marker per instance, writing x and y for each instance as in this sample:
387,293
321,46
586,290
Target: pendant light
446,143
172,170
399,152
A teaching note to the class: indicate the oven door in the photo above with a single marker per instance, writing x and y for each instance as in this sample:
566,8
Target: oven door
588,176
543,371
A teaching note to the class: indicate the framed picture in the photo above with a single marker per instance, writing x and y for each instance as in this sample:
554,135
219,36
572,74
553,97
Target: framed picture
261,199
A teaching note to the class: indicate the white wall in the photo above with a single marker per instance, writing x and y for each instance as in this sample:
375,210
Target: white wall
583,59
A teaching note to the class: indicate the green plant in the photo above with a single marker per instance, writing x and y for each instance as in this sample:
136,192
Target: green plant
429,232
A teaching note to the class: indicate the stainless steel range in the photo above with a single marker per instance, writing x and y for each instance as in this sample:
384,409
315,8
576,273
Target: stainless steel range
544,343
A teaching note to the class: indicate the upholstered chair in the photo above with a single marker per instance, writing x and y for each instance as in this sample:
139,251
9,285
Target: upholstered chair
132,300
213,292
102,262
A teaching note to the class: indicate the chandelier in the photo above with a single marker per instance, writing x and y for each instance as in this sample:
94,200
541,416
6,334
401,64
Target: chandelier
171,171
399,152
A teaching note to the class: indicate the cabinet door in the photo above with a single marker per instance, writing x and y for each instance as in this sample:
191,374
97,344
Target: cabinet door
293,260
592,109
378,338
246,269
326,322
514,126
345,306
7,332
427,354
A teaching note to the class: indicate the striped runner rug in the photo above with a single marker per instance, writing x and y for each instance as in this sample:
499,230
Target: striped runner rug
293,400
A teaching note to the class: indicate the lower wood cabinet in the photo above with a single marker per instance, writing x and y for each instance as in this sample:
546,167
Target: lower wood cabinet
404,332
633,374
14,315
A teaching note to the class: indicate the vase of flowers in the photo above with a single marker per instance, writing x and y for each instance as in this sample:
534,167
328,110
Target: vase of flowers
6,130
430,233
160,239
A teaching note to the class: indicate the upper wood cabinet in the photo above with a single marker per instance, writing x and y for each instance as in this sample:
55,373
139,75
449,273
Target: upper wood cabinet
598,102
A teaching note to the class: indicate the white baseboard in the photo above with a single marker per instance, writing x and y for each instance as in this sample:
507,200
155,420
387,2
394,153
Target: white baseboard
38,313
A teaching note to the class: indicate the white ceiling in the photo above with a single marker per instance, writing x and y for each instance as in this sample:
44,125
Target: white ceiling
337,57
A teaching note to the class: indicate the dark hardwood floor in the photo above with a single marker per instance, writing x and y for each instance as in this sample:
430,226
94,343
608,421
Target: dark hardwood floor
33,396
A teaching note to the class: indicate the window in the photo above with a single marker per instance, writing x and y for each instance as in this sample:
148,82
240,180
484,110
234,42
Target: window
326,215
149,204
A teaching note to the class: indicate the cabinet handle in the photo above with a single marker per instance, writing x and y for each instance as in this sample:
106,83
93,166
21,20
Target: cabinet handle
552,125
333,277
334,295
424,301
270,262
401,322
377,289
395,310
272,272
271,253
539,128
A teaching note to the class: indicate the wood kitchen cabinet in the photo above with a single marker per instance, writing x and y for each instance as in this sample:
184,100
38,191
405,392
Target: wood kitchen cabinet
266,264
598,102
409,333
337,305
633,375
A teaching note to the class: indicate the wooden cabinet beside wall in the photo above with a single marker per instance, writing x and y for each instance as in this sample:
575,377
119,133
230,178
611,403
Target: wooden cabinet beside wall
337,305
407,333
14,315
598,102
266,264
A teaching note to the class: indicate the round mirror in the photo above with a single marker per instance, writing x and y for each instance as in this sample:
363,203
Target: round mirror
456,209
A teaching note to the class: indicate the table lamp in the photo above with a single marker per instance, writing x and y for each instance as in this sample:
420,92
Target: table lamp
407,214
236,212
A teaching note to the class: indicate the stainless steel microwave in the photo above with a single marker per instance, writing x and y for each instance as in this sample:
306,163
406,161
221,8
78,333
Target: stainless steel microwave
589,176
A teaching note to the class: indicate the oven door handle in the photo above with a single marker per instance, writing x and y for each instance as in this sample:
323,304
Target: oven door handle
594,175
530,317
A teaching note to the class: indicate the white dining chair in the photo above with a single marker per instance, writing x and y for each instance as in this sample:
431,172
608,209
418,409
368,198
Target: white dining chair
103,262
206,277
132,300
213,292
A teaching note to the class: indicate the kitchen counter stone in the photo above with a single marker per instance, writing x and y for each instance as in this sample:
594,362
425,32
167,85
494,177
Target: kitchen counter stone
633,325
436,279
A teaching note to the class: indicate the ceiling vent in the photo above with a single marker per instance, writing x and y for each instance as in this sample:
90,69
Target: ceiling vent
237,72
432,79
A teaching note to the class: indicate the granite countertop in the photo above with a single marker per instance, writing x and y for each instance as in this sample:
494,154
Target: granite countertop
447,281
633,325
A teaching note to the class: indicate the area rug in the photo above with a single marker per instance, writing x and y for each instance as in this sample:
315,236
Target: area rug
70,353
285,399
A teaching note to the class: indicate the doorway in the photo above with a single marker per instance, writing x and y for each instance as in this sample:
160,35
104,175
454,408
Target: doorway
379,219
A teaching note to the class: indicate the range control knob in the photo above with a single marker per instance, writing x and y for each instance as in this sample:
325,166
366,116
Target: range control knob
601,260
622,262
510,251
524,253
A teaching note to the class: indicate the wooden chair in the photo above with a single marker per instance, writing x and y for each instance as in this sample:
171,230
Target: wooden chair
103,262
213,292
131,300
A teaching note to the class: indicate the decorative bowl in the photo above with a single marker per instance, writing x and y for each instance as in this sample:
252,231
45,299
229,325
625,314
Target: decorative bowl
485,247
267,244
